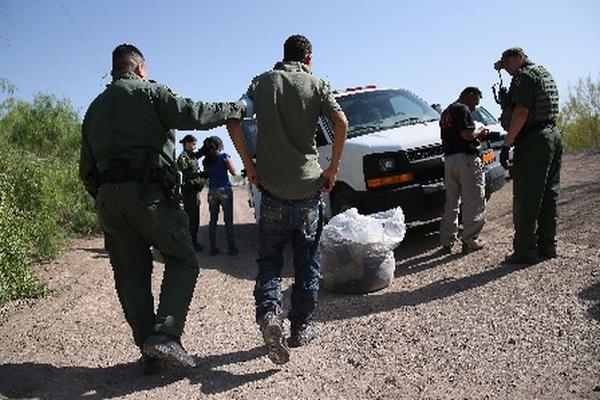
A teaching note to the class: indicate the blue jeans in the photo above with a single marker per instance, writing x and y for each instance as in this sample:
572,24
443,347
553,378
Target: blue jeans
302,222
221,197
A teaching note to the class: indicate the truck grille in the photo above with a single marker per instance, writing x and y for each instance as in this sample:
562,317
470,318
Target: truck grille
422,153
427,163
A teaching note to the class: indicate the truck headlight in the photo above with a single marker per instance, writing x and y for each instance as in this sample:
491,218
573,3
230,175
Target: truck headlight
387,164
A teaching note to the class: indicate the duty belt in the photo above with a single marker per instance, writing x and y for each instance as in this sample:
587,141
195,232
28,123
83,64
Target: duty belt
539,125
125,175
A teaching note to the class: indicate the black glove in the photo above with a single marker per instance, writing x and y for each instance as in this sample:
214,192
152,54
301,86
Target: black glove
201,152
504,156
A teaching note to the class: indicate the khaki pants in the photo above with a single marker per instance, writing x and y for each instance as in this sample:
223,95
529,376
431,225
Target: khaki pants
464,181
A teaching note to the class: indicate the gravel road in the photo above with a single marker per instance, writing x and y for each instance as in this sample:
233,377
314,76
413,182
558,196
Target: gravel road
448,327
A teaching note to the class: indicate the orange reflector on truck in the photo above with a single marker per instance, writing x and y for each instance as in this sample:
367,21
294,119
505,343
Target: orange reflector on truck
488,157
389,180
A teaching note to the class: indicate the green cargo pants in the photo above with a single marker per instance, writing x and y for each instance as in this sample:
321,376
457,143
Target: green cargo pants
536,173
191,206
132,224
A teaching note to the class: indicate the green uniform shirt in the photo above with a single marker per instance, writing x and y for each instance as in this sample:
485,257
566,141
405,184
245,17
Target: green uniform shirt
288,101
188,164
523,90
134,120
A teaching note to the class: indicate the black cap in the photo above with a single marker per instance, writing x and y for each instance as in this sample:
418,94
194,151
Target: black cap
513,51
188,138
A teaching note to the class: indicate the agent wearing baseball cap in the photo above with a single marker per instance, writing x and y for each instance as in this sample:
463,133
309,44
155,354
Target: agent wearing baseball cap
529,116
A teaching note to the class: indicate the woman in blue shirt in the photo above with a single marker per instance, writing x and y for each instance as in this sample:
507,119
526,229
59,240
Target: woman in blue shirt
217,164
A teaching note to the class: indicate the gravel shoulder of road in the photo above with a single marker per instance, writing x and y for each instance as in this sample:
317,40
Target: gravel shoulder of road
447,327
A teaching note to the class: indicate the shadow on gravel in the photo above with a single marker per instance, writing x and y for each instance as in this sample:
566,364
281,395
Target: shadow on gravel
337,307
420,239
28,380
242,265
592,294
96,252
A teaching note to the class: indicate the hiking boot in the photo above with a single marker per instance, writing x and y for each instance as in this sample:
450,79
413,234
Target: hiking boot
472,245
271,327
515,258
446,249
547,254
303,335
168,348
150,365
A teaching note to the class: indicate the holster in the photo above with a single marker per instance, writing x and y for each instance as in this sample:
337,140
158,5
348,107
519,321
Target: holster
167,178
169,181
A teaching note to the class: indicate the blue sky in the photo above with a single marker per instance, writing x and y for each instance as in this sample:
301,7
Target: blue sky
210,50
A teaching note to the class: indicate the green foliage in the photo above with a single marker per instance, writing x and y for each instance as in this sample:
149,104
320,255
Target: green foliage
42,202
49,127
16,279
579,118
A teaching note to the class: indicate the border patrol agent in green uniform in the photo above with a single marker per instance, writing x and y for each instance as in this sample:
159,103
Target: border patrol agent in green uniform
193,182
128,164
529,112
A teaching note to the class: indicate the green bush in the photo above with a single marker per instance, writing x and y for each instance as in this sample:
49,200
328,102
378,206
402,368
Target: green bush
42,201
579,118
48,127
16,278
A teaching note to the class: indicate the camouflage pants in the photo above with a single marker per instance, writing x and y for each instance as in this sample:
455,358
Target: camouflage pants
132,224
536,173
464,182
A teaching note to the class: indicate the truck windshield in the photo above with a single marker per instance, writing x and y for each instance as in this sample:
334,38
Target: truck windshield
482,115
384,109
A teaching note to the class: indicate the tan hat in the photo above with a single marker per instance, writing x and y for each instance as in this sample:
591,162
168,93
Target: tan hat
513,51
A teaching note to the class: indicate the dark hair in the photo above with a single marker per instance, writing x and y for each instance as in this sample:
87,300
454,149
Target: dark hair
125,58
296,47
471,90
212,145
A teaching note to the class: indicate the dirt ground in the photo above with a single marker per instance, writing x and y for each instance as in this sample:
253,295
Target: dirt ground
448,327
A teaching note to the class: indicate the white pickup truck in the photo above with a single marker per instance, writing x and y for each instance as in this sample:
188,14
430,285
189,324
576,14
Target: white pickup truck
393,155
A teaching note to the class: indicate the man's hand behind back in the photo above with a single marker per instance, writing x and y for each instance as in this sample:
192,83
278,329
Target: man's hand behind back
250,171
329,176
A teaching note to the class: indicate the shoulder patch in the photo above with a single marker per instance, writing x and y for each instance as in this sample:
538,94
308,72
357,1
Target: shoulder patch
183,161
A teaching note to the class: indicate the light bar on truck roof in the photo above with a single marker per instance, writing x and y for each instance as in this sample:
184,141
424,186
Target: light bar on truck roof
354,89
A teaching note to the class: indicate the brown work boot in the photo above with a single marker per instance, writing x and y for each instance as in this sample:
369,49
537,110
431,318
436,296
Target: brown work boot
271,327
446,249
303,335
547,254
472,245
169,349
515,258
150,365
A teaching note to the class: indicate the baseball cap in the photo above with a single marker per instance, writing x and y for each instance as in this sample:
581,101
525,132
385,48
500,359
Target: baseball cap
187,138
513,51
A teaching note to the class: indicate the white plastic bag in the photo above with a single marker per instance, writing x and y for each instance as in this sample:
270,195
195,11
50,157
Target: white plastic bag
357,250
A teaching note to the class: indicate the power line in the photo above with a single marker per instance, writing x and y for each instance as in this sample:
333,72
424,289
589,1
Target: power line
34,43
83,38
